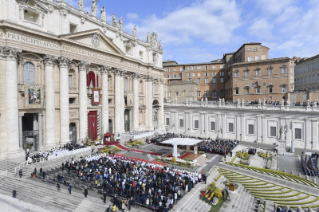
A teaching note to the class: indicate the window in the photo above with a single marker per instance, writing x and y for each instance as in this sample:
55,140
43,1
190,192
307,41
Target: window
221,79
206,67
230,127
206,74
228,73
214,73
141,56
221,66
31,16
250,129
193,74
304,97
196,124
283,70
252,85
284,89
189,79
214,93
28,73
174,69
270,71
236,74
246,73
72,28
214,80
126,84
248,49
270,98
70,81
236,90
264,84
270,89
256,58
206,80
273,131
297,133
198,80
257,72
198,74
293,97
192,67
257,90
221,73
199,67
174,76
189,74
255,49
181,123
212,125
167,76
167,121
128,50
222,93
176,93
198,94
181,69
206,93
248,58
214,67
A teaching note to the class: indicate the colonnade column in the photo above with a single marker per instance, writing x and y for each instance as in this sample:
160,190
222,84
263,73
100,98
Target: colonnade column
119,101
40,130
149,101
259,129
264,133
12,109
49,100
105,98
314,124
83,66
135,101
307,136
64,63
20,130
161,109
288,132
186,123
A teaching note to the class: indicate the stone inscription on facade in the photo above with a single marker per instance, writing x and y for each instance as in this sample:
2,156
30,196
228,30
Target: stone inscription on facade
83,52
29,40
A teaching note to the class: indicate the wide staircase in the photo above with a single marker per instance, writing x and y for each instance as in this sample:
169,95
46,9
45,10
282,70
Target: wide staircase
201,160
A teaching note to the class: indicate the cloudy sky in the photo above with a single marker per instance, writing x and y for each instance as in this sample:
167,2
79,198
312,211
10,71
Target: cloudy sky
202,30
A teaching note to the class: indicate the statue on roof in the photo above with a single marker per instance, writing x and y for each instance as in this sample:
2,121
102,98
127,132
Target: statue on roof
81,4
103,14
93,8
134,31
120,23
114,23
148,39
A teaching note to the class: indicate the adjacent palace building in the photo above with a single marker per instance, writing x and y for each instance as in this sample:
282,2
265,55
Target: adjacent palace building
67,75
246,74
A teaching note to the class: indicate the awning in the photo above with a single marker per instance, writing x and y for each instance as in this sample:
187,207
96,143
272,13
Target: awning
182,141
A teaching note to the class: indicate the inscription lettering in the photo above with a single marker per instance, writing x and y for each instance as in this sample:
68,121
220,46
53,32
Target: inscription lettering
83,52
33,41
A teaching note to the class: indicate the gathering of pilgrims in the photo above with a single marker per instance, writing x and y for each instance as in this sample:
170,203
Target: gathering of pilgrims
208,145
142,182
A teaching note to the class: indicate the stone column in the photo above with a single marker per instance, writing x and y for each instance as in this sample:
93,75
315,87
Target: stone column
40,130
314,124
119,101
206,124
20,131
238,132
201,124
83,101
105,99
149,102
259,129
224,124
307,135
186,123
288,133
12,108
243,129
136,77
49,100
64,99
264,131
160,116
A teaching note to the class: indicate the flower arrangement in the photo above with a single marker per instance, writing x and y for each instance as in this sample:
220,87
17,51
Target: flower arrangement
173,160
263,155
243,155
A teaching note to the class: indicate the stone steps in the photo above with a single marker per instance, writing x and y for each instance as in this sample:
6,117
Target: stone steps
201,160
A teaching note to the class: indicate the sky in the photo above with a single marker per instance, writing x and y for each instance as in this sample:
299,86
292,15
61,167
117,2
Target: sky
203,30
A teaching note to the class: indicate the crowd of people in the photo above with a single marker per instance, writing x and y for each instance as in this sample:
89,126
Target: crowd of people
53,151
146,184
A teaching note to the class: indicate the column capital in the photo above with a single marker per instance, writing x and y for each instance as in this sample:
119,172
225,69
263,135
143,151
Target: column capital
9,52
64,62
49,60
136,75
83,65
106,69
119,72
149,78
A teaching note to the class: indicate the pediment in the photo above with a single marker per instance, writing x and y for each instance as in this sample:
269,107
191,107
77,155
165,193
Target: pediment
95,39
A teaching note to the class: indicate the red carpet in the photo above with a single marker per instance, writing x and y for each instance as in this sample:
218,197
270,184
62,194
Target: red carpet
185,155
135,150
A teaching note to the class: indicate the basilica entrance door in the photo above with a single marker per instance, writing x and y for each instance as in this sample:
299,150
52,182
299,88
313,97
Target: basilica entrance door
127,120
92,125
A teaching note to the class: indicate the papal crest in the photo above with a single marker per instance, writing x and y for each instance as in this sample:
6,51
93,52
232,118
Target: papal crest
96,40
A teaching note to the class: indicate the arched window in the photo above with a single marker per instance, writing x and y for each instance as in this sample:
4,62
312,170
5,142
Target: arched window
125,84
28,73
91,79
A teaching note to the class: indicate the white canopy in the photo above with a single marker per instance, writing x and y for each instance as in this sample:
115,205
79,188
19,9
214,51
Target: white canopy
182,141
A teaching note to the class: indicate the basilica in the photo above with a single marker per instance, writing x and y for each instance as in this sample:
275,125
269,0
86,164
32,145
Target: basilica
68,75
